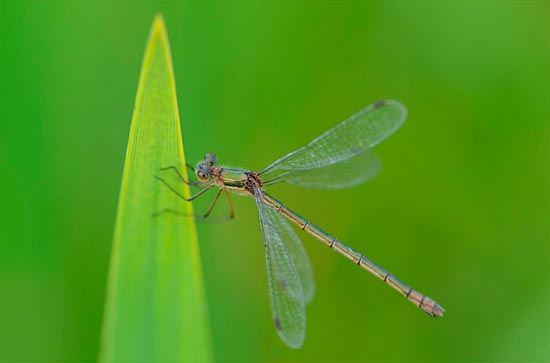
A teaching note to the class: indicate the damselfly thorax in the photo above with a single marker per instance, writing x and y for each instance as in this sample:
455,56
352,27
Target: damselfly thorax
239,181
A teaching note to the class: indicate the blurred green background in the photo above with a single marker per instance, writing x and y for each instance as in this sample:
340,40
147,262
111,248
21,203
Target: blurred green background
460,210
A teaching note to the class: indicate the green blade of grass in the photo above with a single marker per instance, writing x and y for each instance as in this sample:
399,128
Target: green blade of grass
155,308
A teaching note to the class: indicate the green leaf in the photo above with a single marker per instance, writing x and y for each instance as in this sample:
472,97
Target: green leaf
155,308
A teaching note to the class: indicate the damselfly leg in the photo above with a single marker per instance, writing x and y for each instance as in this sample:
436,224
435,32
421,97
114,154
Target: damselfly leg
204,216
180,177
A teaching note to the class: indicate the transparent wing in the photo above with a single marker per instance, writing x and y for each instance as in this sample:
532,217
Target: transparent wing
297,252
351,137
345,174
285,287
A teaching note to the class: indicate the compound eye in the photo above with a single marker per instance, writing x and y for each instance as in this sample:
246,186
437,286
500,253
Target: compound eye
211,159
202,175
203,171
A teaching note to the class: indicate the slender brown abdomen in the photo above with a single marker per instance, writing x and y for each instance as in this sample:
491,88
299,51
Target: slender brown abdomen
431,307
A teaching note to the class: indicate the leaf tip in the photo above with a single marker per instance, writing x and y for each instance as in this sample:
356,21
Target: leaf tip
158,24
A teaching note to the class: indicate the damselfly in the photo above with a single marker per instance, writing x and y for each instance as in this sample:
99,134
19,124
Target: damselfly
339,158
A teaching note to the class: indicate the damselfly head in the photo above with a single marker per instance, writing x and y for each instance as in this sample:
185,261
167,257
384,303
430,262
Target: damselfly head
203,171
210,159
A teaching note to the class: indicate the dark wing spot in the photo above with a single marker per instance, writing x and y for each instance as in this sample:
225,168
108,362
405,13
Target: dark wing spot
379,104
277,323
